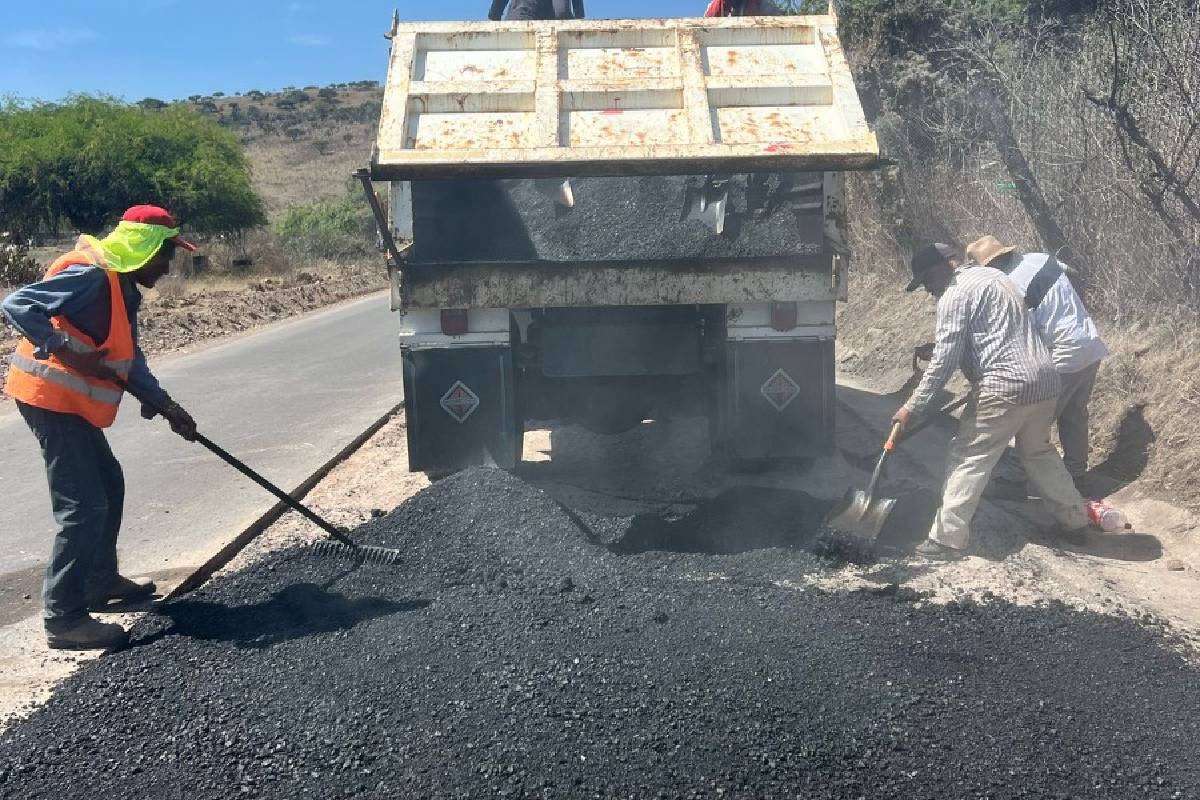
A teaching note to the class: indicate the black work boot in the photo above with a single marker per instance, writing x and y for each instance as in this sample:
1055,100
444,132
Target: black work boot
122,590
86,633
1084,486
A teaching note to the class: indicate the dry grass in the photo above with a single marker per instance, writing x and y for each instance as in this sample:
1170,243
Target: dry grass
289,173
1147,404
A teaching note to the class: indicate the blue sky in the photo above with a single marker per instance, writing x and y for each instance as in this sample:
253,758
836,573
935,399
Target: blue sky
174,48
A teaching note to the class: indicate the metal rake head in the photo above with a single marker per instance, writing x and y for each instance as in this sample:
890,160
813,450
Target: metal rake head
365,554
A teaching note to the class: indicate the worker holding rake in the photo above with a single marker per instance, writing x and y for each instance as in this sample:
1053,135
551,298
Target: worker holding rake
984,329
78,353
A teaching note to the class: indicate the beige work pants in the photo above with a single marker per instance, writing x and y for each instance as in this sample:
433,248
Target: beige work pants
987,425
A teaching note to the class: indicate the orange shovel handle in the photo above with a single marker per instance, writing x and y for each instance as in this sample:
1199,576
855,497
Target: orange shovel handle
890,444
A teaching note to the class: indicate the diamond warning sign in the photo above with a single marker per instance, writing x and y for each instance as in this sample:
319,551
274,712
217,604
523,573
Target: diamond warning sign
780,390
460,402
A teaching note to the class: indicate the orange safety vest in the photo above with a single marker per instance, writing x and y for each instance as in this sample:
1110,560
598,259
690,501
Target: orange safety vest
51,384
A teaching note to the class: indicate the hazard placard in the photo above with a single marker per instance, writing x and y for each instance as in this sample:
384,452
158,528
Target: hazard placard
780,390
460,402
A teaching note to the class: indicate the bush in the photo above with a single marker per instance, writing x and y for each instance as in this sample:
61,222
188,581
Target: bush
86,160
16,267
336,229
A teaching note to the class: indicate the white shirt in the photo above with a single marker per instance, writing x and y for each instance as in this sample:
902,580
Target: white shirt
1064,323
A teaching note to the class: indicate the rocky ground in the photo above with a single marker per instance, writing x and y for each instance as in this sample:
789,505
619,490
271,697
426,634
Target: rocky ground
621,620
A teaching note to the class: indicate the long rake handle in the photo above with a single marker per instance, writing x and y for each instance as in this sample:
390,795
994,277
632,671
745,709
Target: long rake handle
246,470
283,496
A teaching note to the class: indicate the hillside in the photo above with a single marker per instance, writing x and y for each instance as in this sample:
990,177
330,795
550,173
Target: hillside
303,144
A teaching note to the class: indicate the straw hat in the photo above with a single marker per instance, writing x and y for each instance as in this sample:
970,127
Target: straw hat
986,250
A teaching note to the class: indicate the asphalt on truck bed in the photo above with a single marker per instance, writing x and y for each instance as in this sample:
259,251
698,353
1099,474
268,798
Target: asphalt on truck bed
525,650
622,219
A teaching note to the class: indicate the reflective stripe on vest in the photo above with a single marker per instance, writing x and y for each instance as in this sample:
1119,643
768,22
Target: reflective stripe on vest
63,378
116,365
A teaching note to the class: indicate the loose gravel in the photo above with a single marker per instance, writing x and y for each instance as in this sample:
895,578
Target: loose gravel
614,219
529,651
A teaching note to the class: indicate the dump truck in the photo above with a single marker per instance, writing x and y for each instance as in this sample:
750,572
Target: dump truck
610,221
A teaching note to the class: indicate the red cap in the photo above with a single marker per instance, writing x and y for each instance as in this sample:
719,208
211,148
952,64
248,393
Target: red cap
153,215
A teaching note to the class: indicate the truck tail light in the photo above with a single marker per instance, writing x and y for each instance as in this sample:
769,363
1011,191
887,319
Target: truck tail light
454,321
783,316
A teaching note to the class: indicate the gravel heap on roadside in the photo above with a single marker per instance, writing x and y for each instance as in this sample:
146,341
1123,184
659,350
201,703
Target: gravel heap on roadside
513,655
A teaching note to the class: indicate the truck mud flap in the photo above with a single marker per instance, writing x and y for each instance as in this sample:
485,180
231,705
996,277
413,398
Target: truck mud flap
461,408
778,399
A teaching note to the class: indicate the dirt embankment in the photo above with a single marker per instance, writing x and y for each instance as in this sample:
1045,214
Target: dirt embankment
205,311
1144,406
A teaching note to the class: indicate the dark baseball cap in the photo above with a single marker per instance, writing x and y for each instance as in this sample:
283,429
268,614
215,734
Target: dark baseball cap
929,256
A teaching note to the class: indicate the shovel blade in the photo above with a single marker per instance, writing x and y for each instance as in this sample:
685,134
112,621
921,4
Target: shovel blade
859,515
707,204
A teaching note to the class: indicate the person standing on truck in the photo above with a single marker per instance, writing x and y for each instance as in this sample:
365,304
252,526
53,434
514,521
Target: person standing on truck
742,8
80,341
536,9
984,329
1069,332
560,189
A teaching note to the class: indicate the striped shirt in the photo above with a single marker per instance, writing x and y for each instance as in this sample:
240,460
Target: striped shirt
984,329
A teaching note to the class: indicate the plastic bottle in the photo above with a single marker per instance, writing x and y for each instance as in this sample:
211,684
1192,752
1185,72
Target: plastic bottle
1107,518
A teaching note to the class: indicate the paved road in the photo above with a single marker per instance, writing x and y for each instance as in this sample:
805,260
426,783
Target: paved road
285,400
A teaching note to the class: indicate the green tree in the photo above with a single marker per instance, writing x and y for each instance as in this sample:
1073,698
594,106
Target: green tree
336,229
85,160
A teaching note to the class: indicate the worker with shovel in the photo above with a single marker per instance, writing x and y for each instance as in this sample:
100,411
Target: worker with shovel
984,329
80,347
1067,329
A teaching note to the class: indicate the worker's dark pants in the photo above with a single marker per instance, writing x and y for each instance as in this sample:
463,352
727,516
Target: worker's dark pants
87,493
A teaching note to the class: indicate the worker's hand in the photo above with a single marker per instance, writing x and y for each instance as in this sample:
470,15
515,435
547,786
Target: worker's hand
90,364
181,421
904,418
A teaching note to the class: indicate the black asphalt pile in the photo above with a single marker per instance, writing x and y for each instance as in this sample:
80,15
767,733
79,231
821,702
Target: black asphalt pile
614,219
513,655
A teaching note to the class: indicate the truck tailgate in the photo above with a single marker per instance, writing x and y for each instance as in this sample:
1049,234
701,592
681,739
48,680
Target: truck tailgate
619,97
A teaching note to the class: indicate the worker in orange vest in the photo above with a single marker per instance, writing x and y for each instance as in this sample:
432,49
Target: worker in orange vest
79,345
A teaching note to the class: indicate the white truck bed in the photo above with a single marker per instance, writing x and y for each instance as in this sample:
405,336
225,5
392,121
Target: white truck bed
619,97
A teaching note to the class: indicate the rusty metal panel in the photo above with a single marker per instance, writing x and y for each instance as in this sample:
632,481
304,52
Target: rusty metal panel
619,97
544,285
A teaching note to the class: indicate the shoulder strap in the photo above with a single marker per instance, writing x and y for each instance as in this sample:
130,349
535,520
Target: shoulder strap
1046,277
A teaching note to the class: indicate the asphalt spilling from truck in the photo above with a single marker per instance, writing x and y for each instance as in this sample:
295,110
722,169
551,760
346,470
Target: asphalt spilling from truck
524,649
